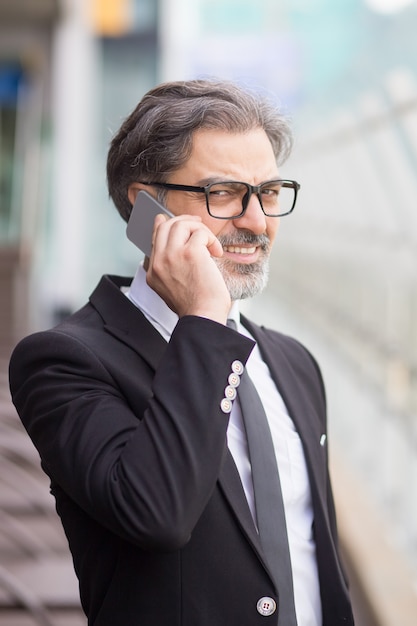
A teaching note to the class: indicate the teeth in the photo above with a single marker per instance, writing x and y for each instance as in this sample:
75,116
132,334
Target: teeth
238,250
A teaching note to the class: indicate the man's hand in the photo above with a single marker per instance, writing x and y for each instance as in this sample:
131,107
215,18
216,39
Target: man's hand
181,269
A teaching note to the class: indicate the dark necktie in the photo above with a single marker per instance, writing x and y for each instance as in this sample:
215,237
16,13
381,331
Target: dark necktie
268,496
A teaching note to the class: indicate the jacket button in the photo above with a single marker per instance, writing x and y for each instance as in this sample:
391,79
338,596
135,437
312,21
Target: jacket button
266,606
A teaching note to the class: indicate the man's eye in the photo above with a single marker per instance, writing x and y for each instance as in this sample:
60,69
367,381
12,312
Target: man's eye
222,192
272,192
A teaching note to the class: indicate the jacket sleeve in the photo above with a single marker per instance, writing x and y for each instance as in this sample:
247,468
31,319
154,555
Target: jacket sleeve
145,477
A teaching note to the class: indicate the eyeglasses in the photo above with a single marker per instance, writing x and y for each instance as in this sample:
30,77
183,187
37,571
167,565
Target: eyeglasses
229,200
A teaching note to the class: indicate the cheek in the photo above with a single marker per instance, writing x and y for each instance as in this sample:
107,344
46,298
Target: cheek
217,227
272,227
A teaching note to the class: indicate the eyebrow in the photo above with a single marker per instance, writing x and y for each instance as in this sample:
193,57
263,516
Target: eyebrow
213,179
223,179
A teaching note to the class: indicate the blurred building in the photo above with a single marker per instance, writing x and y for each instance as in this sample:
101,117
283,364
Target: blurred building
25,68
68,71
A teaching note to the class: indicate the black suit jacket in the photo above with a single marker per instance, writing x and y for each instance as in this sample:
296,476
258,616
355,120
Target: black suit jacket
130,431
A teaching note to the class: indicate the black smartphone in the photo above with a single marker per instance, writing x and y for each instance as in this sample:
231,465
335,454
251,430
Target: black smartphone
140,225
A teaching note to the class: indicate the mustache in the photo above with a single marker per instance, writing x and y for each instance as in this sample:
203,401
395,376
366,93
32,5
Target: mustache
242,237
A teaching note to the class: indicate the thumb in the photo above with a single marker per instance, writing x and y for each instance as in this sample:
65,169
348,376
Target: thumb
215,247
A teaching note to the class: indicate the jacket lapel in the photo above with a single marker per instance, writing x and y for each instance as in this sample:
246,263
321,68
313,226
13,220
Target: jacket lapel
300,407
309,426
232,487
125,321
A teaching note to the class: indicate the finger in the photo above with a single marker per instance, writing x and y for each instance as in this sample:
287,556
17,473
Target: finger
175,232
157,222
215,248
208,239
160,219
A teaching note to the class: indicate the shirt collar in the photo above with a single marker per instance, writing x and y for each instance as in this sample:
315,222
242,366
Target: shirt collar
151,305
234,313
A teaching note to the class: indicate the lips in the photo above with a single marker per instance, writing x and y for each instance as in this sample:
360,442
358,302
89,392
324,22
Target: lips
239,250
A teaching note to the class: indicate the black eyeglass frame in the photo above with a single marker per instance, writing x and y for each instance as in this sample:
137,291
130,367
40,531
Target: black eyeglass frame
252,189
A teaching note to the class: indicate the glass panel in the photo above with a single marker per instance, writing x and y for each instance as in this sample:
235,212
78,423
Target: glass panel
10,81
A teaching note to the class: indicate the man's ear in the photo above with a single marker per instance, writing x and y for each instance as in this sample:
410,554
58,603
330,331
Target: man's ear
133,191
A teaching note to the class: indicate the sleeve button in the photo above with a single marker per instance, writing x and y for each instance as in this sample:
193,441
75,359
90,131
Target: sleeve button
234,380
237,367
226,405
230,392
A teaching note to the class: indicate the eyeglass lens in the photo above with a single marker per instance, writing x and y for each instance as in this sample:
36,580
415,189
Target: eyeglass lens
229,199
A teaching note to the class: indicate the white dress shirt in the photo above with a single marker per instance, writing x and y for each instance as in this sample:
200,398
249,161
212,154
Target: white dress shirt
288,448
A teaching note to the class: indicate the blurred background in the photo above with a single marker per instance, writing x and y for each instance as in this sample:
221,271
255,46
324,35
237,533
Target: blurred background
344,271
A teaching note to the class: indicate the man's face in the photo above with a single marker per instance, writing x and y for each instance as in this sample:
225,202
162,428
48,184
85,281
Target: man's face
218,155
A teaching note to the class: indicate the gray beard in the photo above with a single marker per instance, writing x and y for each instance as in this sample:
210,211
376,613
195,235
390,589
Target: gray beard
242,280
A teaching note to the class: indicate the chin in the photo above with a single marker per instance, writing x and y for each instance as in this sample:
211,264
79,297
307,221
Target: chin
246,281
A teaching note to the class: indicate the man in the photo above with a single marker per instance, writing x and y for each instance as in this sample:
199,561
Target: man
132,404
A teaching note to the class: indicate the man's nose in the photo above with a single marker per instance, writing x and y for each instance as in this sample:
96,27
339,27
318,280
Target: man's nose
254,219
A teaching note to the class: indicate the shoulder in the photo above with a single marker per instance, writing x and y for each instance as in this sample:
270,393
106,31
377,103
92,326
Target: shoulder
78,336
87,322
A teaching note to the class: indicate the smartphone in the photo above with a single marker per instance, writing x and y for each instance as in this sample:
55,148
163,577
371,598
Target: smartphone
140,225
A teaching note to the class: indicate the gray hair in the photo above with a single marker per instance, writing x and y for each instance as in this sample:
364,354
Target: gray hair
156,138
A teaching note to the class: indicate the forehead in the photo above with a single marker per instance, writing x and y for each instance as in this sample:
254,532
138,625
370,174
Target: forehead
235,156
